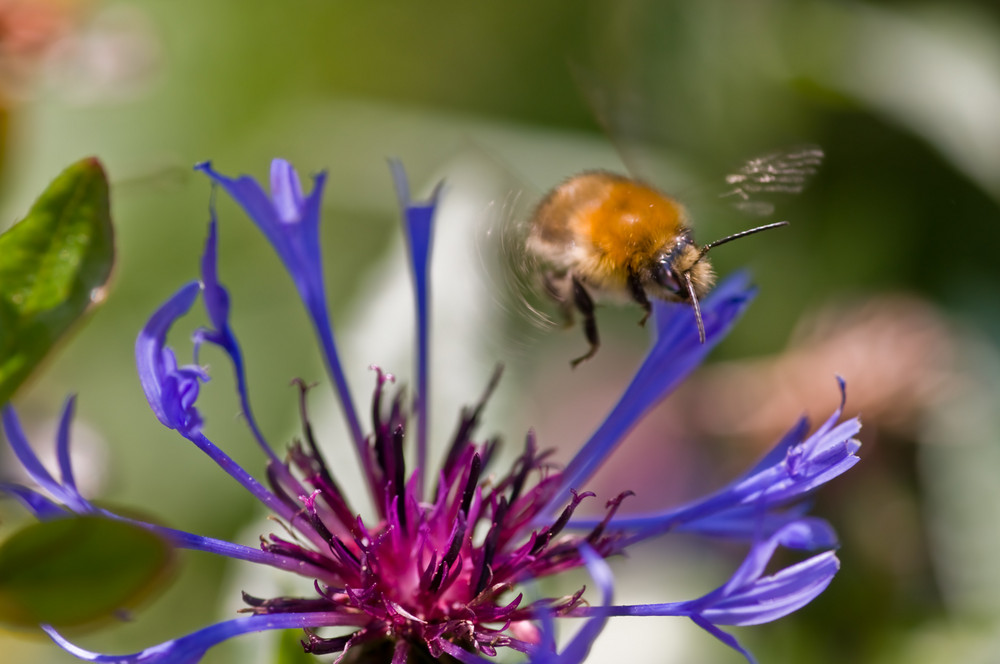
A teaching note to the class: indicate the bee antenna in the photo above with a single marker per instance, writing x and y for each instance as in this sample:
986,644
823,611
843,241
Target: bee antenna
736,236
695,305
701,254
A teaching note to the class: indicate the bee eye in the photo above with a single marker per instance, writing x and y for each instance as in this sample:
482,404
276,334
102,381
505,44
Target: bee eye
664,275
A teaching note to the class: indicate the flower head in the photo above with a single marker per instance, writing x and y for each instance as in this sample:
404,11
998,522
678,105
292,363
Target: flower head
444,567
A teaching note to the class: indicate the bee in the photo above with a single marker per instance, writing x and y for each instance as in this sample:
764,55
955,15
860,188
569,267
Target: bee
603,233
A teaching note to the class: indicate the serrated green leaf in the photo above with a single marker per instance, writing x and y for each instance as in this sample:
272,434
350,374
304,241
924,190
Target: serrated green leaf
78,570
54,264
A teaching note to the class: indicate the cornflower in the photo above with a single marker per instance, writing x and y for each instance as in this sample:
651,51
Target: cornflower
442,569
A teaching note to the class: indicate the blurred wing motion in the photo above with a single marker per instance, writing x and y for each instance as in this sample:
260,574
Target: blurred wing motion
513,273
785,172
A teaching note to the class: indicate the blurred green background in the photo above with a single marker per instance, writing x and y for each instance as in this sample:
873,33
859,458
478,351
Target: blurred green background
892,254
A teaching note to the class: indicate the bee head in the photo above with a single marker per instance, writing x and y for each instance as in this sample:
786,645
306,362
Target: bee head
672,269
682,273
697,274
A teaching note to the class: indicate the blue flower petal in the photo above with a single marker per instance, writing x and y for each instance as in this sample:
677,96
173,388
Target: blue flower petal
789,473
746,523
62,445
191,648
170,390
724,637
793,535
776,596
794,436
418,224
214,294
185,540
290,221
578,648
216,300
63,492
676,352
22,450
43,508
748,597
286,192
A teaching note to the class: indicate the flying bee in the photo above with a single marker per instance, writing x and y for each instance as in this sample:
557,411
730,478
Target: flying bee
601,233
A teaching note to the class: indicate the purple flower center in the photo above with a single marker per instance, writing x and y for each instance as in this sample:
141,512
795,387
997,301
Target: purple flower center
428,571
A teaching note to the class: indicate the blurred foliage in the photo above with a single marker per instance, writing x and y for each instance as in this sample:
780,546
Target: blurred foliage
53,267
79,570
903,96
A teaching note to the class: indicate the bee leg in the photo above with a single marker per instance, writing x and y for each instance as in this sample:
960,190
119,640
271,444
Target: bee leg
585,305
638,294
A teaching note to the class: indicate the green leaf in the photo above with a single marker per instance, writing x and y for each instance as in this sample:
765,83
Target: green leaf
54,264
78,570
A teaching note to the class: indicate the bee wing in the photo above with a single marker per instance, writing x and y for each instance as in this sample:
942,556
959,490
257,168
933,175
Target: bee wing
620,113
513,272
784,172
